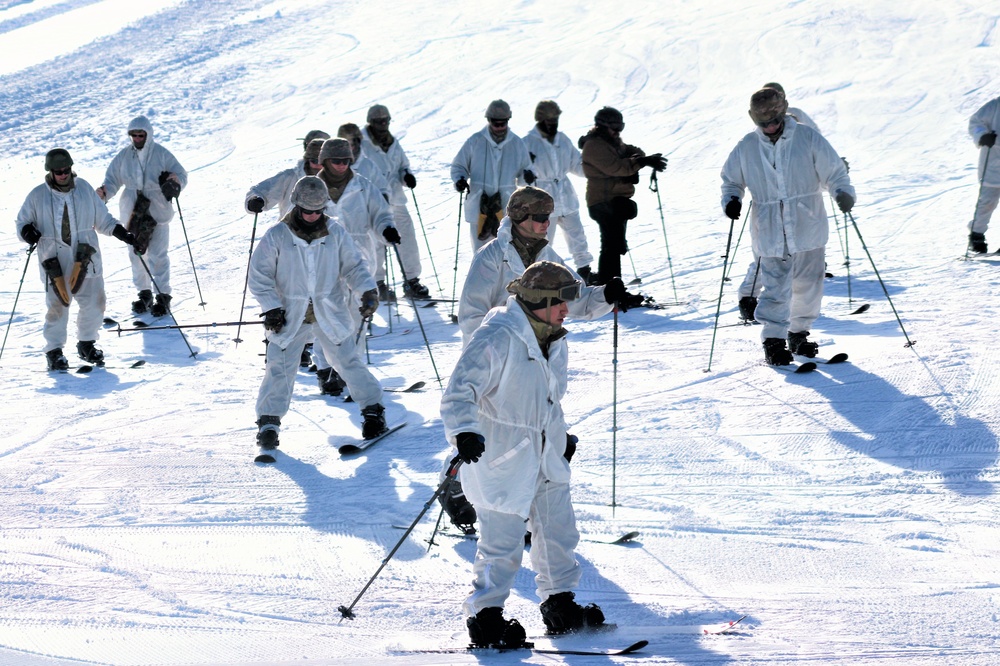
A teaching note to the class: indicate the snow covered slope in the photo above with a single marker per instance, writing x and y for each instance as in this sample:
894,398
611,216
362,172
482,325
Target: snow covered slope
852,513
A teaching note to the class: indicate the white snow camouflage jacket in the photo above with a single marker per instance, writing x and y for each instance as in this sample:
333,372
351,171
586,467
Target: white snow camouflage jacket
489,167
277,190
505,389
984,121
492,269
88,215
391,165
362,210
551,165
786,180
287,272
139,170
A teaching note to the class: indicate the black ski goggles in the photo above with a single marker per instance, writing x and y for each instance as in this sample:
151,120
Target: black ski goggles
563,294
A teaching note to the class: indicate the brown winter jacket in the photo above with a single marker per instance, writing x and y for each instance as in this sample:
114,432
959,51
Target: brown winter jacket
610,165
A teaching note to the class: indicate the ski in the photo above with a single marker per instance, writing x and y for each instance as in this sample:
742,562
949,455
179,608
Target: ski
625,538
265,456
726,628
387,332
796,368
862,309
415,386
635,647
839,357
351,449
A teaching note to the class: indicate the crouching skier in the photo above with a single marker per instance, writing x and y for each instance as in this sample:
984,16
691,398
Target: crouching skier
302,274
503,403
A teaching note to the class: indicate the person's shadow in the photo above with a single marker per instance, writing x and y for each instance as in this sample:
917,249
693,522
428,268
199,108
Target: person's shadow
907,432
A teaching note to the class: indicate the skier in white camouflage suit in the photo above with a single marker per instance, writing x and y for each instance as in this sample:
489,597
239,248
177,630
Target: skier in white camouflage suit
383,149
786,167
983,127
304,274
149,173
488,166
61,218
504,404
553,158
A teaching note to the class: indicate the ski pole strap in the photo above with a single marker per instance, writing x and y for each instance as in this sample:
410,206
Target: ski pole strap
654,186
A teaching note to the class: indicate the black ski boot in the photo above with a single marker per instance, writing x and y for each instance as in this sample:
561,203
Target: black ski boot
459,508
748,305
162,305
562,614
632,301
977,242
306,359
374,424
587,275
89,353
414,289
267,435
330,383
56,360
385,294
144,303
776,353
489,629
798,343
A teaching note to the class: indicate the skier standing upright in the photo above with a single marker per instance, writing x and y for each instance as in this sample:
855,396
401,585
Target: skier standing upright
786,166
504,404
303,273
612,169
152,178
553,158
488,166
61,217
383,149
983,127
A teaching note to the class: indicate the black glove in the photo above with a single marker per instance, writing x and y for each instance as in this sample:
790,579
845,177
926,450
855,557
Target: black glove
462,185
733,208
844,201
274,320
255,205
369,303
656,160
391,235
614,291
123,234
988,139
571,441
170,187
409,180
30,234
529,176
847,165
470,446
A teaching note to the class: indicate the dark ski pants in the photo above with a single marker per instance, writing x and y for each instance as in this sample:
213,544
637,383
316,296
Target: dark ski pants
612,218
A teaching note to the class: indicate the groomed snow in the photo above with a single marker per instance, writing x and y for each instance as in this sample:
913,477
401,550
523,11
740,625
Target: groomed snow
851,513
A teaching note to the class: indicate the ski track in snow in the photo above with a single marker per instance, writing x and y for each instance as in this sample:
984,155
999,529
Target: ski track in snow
850,512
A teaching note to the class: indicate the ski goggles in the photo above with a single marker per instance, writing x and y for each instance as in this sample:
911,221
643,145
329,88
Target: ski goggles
562,294
773,121
339,160
62,172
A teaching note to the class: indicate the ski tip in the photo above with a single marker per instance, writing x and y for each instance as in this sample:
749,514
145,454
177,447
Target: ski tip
638,645
108,321
84,369
626,538
416,386
265,458
138,364
838,358
140,324
862,309
349,449
805,367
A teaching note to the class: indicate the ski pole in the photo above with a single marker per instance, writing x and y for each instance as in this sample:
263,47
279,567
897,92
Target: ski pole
654,185
986,163
614,414
636,279
909,343
722,283
420,322
458,239
169,311
31,248
427,243
167,327
739,239
348,611
194,270
246,280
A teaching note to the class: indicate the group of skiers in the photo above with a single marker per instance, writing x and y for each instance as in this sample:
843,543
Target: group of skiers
319,274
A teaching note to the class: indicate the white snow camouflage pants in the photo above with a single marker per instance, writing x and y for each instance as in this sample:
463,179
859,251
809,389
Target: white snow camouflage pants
90,300
409,248
989,197
576,239
793,292
157,260
554,538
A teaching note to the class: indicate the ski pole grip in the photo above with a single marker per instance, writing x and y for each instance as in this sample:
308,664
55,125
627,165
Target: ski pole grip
456,462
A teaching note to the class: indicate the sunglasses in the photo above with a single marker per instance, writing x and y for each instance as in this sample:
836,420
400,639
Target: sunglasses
617,127
498,122
379,121
311,160
311,212
62,172
137,135
339,160
773,121
540,217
